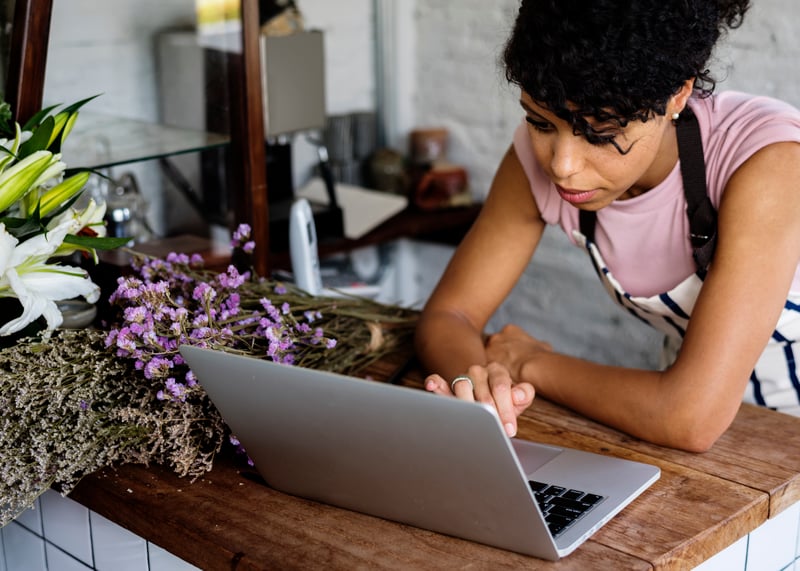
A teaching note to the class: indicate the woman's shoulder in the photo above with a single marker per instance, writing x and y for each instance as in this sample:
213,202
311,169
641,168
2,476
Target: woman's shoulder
739,110
734,126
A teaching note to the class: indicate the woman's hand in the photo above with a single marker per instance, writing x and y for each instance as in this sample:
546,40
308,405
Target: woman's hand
511,347
490,385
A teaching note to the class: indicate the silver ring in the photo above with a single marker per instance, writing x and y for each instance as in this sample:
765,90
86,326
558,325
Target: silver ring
461,378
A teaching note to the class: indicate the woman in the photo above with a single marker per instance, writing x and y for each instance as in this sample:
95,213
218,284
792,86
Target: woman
613,92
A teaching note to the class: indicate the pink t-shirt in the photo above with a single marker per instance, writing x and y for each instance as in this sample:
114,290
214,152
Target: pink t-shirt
644,240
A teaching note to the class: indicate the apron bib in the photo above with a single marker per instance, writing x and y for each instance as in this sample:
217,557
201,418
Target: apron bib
773,383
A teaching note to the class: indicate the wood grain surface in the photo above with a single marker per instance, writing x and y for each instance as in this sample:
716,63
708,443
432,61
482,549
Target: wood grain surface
230,519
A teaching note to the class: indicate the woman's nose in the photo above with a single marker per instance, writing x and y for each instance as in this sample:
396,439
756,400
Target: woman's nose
566,156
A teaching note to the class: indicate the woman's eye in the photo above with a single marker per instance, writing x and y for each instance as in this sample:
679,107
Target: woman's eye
601,139
543,126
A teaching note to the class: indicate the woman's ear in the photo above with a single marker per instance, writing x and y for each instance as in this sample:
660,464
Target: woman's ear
678,101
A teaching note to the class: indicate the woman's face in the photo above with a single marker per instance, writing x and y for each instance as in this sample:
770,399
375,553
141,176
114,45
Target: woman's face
592,175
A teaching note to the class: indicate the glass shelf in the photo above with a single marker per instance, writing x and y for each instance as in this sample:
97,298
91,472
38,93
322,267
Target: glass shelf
101,141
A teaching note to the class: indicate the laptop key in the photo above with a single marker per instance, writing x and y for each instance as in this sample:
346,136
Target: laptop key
569,506
554,491
591,499
573,494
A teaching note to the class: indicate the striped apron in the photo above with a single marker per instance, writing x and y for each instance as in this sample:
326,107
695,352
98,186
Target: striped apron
774,381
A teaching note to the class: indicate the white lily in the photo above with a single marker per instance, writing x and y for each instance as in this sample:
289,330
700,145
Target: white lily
90,217
25,275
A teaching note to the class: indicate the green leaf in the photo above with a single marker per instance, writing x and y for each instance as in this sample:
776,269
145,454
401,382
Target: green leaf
39,120
12,221
34,121
23,228
96,242
68,172
77,105
40,138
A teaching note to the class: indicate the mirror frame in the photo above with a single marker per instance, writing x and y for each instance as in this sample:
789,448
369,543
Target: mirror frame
28,57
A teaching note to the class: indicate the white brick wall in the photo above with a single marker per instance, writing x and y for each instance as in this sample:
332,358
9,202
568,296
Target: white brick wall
460,84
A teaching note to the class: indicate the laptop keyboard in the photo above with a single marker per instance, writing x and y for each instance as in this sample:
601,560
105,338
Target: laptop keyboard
562,506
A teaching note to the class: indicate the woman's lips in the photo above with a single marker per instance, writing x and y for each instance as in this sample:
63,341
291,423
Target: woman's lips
575,196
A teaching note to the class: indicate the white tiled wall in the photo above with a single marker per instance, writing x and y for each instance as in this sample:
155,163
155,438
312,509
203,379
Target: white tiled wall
734,558
774,546
59,534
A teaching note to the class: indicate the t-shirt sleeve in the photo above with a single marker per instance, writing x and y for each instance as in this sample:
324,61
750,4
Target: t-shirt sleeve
745,125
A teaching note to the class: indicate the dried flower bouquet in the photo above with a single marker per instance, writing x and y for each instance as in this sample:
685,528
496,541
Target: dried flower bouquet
73,402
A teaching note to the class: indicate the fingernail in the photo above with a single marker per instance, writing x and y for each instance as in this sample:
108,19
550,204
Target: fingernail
510,430
430,385
519,395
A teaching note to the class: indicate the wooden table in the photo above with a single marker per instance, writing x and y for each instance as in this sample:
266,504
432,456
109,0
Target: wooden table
229,519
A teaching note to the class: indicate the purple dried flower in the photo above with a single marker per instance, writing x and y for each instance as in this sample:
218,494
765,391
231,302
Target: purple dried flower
157,367
203,292
172,257
191,380
241,234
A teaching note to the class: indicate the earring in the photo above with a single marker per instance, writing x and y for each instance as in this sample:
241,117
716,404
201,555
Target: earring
676,116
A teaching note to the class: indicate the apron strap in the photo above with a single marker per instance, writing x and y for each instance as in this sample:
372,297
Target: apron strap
701,213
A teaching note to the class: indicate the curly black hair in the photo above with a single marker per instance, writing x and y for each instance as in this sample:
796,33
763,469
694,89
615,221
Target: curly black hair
614,60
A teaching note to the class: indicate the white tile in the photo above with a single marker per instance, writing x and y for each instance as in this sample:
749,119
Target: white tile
797,543
57,560
773,545
116,548
2,553
32,518
24,551
163,560
732,558
66,524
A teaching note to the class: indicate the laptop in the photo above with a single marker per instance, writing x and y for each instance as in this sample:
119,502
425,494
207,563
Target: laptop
411,456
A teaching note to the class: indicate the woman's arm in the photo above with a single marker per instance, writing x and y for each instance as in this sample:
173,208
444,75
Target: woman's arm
482,272
693,402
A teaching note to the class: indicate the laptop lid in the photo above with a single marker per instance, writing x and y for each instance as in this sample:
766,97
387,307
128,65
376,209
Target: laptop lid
404,454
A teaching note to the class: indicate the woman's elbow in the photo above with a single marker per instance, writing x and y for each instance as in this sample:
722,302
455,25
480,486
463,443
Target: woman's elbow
696,435
697,443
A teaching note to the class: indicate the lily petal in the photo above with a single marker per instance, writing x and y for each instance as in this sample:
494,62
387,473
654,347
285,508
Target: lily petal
7,245
31,311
